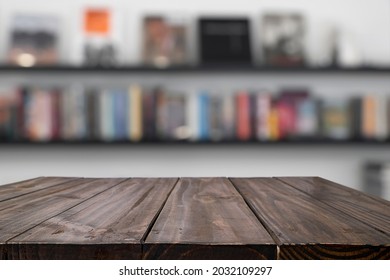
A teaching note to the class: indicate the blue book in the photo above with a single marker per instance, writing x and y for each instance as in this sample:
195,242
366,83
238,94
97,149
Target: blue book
120,118
204,117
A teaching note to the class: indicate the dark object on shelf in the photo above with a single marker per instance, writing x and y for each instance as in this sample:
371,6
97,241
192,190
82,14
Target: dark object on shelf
104,56
283,40
376,179
224,41
182,218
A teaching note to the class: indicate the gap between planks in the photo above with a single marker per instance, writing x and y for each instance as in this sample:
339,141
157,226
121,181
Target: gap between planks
151,224
71,179
267,228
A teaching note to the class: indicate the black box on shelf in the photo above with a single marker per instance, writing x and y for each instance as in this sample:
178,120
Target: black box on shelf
224,41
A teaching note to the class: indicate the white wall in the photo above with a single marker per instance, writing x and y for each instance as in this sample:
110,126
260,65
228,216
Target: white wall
365,22
368,23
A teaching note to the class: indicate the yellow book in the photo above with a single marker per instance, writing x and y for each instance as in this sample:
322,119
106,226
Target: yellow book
135,113
273,124
369,117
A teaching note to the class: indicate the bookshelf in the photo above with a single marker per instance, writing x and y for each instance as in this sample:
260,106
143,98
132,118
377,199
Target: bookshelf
209,69
172,75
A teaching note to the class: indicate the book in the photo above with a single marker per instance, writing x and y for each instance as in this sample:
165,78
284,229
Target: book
369,121
273,122
92,107
177,119
288,103
56,94
286,118
149,114
171,118
335,119
264,104
101,38
243,116
135,113
382,132
34,40
203,115
38,112
216,129
307,120
283,39
164,41
253,115
193,109
120,114
74,113
228,117
224,41
356,109
8,114
107,130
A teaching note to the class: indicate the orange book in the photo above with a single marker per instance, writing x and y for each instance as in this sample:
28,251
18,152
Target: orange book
97,21
243,116
273,124
369,117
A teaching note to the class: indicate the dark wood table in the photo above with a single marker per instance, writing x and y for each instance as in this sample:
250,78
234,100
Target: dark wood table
191,218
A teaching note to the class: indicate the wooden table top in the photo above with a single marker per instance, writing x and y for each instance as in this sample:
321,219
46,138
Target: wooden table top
191,218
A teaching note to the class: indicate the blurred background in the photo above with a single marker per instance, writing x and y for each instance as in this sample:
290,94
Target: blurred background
210,88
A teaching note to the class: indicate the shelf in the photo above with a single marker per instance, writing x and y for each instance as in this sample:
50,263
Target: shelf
202,143
197,69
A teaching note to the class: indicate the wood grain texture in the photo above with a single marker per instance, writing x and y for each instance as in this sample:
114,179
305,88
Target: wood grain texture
191,218
202,213
73,251
334,251
298,222
373,211
3,253
24,212
29,186
109,225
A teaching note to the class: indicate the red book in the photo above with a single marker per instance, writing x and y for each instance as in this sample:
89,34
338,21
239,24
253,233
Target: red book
56,114
287,118
243,116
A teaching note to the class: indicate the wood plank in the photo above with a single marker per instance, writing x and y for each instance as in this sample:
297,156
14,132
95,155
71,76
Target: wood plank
306,228
3,255
206,218
28,186
110,225
22,213
373,211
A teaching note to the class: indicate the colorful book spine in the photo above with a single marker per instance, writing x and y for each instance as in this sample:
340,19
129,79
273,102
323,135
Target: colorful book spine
120,114
264,104
193,116
215,118
8,114
135,113
106,116
307,118
243,116
369,117
228,117
204,129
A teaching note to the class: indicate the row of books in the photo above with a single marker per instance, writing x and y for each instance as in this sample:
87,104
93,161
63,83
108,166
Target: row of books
34,40
159,114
